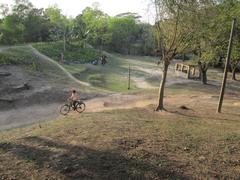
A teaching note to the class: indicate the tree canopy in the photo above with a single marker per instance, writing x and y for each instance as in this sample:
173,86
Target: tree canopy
124,33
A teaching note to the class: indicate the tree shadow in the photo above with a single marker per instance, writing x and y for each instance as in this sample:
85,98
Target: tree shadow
181,113
77,162
216,117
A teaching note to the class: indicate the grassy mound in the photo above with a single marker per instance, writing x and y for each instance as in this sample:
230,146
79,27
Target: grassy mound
18,55
102,77
73,53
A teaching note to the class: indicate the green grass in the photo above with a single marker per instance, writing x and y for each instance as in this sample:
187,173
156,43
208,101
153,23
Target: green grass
73,53
113,76
144,59
102,77
18,55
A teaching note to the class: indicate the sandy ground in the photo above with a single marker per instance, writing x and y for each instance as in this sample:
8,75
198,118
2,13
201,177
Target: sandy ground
39,113
33,114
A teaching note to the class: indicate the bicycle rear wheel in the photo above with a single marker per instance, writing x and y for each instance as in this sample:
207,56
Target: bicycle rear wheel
64,110
80,107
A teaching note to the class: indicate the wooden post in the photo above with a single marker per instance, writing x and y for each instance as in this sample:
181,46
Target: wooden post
193,71
176,67
226,68
62,57
188,72
182,67
64,43
129,77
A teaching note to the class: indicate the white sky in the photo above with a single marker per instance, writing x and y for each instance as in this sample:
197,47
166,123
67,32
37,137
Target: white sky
111,7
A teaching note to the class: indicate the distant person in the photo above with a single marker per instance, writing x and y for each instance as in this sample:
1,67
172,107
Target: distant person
104,60
73,99
62,58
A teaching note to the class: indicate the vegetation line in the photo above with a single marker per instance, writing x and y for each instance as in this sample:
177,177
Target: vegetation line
36,52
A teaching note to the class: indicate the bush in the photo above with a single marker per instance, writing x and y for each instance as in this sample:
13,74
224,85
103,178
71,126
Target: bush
16,56
73,53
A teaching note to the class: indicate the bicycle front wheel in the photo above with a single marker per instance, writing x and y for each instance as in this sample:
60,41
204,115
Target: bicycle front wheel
80,107
64,110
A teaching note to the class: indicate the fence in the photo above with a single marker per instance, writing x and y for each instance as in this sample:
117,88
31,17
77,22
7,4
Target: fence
191,71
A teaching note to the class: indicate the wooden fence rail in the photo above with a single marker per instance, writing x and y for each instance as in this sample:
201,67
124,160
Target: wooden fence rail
190,70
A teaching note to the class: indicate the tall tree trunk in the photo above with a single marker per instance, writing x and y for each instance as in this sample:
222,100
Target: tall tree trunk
160,106
234,70
64,43
203,72
204,76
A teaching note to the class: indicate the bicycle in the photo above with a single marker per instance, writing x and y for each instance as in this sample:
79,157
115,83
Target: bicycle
79,107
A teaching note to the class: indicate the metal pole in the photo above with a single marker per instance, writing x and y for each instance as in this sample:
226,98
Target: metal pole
226,68
129,77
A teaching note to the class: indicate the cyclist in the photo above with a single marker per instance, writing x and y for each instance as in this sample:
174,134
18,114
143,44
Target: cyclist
73,99
104,60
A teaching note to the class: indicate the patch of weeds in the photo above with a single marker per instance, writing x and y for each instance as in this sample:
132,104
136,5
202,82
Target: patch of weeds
128,144
17,56
74,52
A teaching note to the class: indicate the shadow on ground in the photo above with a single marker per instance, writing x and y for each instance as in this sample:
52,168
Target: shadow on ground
74,162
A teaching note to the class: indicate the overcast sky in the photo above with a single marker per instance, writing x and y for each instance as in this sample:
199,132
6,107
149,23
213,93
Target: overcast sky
111,7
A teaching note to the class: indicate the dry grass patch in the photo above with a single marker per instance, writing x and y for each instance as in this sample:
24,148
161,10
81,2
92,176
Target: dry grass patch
128,144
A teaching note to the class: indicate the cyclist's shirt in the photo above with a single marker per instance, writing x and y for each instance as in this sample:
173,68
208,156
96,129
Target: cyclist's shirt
74,97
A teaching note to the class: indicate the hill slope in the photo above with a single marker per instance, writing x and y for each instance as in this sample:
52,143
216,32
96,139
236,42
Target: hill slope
30,82
131,144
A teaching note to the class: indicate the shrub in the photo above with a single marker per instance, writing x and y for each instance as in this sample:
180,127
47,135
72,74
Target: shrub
73,53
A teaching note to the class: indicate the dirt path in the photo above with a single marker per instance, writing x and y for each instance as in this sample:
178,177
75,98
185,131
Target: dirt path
142,84
28,115
37,113
118,101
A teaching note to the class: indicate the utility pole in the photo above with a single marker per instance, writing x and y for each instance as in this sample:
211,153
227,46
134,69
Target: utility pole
129,77
226,68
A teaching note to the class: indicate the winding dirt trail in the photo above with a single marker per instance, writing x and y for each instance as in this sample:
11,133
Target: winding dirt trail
38,113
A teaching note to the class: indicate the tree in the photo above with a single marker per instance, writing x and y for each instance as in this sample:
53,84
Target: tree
11,30
212,40
60,25
229,11
80,30
146,39
205,41
36,26
12,27
124,32
235,60
96,24
22,8
24,24
173,34
4,10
